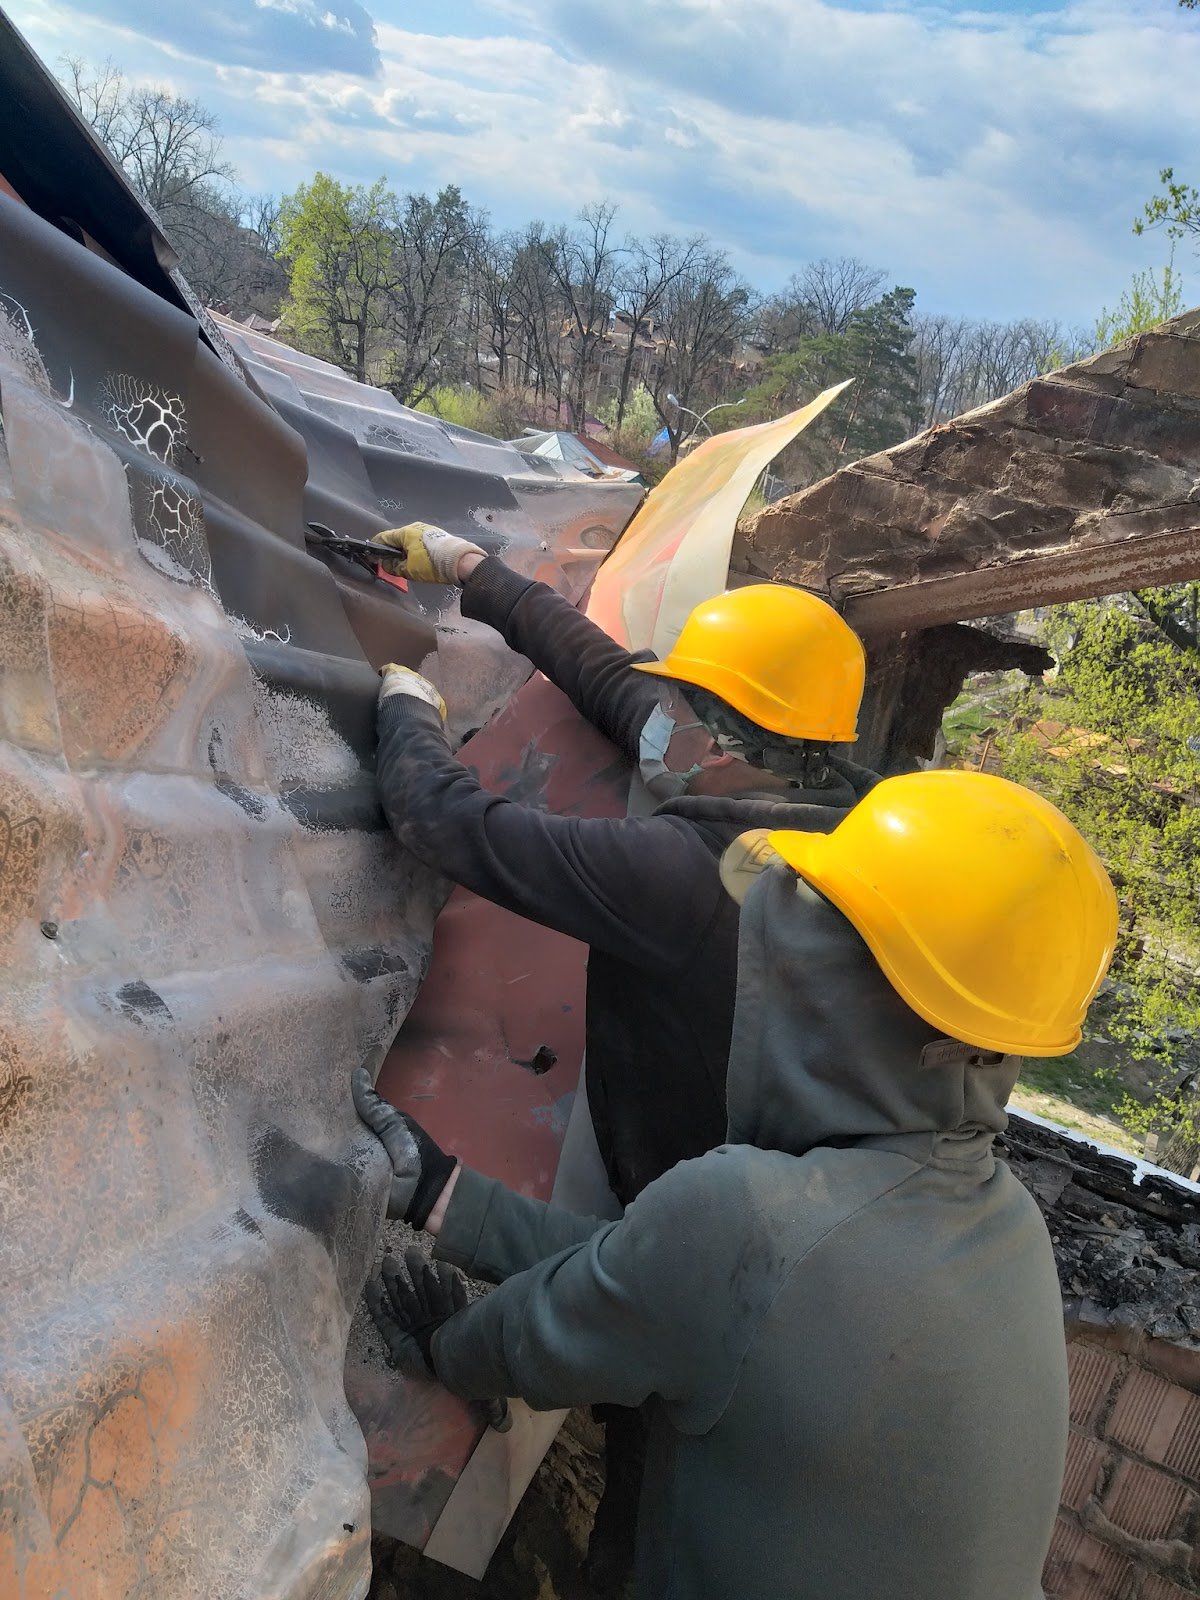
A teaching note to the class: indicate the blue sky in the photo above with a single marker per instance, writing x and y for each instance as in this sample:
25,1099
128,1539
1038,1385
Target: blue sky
991,155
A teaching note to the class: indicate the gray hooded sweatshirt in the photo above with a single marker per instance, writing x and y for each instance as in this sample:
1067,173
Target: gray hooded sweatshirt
847,1317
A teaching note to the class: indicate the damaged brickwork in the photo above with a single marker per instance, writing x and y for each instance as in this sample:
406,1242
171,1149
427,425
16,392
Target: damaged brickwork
1127,1256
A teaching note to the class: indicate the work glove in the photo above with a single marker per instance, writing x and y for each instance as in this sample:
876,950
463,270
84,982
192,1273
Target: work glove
403,680
409,1309
420,1168
427,554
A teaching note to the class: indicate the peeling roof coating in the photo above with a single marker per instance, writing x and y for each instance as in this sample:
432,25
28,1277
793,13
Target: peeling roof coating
1084,482
204,923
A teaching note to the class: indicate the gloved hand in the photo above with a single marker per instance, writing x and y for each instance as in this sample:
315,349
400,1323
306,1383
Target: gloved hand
427,554
408,1311
420,1168
403,680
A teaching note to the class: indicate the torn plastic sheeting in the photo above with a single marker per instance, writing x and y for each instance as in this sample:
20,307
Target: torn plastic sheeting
676,554
204,925
150,1351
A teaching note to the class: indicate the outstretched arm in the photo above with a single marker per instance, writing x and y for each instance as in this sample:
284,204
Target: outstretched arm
596,674
616,1317
640,888
579,658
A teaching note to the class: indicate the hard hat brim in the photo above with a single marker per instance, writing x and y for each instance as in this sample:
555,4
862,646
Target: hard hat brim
809,855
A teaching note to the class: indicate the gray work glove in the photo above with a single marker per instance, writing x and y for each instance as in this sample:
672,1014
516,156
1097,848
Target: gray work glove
425,553
403,680
410,1308
420,1168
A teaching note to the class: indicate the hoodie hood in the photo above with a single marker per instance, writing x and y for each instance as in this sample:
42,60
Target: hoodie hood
825,1052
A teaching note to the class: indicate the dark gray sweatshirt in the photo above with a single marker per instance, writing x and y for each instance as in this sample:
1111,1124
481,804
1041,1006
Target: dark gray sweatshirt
848,1316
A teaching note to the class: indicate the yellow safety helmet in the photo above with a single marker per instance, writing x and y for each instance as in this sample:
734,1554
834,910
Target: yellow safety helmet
779,655
988,912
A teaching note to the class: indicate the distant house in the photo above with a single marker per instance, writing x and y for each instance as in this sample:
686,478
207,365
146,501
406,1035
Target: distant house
588,455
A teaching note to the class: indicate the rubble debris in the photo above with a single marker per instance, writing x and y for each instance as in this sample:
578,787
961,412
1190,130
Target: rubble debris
1084,482
1127,1244
1128,1252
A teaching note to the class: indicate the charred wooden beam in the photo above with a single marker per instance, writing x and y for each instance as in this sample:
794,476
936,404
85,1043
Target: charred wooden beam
1080,484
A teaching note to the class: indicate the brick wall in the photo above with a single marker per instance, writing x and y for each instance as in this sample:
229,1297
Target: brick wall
1130,1515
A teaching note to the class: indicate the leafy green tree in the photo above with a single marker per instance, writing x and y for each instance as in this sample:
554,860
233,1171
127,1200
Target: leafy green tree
337,241
1113,741
640,419
1176,207
1152,297
883,406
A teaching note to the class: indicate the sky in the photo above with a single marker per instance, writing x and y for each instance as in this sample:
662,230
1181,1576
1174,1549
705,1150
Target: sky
991,155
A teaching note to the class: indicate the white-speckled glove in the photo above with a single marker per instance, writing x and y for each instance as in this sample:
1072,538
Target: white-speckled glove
403,680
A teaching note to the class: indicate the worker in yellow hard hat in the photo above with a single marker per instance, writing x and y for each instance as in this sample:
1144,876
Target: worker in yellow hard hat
774,678
846,1321
770,679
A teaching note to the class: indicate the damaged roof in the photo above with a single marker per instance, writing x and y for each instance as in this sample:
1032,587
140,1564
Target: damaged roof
1084,482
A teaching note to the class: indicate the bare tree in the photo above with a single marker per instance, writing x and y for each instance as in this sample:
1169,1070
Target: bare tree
259,215
227,265
538,311
705,310
498,267
821,298
650,268
433,243
964,363
584,265
170,150
169,146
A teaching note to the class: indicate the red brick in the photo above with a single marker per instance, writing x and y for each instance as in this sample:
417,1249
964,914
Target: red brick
1146,1503
1084,1459
1156,1588
1156,1420
1081,1568
1177,1363
1092,1371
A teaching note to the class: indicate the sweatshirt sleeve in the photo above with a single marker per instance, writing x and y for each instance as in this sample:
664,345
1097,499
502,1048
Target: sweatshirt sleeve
596,674
491,1232
622,1315
640,888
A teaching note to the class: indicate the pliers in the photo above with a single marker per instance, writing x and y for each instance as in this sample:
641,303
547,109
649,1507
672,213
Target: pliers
363,552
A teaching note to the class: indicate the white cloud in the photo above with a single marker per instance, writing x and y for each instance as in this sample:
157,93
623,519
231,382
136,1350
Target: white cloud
992,159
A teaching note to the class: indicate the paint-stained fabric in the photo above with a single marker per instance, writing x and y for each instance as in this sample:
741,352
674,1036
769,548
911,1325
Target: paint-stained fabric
847,1318
643,892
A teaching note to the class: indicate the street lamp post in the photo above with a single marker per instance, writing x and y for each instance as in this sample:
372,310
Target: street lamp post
725,405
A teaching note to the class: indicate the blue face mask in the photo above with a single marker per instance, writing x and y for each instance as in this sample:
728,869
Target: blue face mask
655,738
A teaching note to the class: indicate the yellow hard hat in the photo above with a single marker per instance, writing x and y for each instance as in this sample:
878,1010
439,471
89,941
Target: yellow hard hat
987,911
779,655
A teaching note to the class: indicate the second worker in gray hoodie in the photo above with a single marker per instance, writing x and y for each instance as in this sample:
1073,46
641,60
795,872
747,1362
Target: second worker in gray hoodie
847,1318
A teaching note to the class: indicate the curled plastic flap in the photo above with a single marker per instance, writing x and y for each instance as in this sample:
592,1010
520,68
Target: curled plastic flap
676,553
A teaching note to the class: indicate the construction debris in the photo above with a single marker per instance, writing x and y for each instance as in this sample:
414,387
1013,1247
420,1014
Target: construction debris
1084,482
